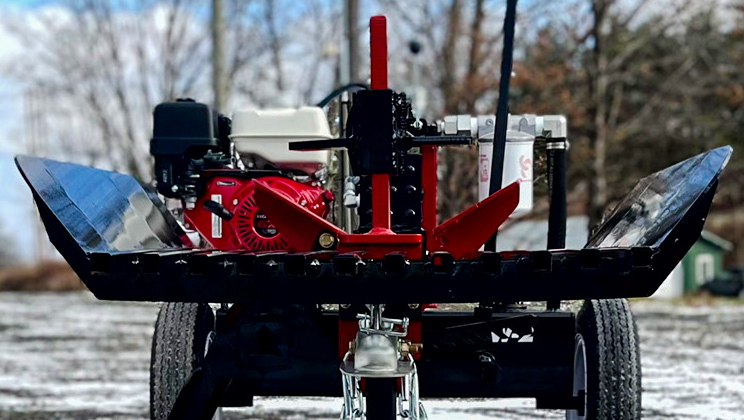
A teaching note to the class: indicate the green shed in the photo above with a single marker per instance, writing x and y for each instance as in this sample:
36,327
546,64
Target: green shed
704,261
701,264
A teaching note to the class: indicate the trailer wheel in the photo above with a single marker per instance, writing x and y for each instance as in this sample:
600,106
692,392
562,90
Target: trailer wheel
381,398
178,345
613,364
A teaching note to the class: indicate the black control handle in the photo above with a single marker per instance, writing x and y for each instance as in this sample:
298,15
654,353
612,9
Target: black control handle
218,209
441,141
319,144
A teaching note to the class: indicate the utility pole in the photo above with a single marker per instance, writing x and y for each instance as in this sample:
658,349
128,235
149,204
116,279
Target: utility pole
34,130
219,82
348,72
349,65
352,28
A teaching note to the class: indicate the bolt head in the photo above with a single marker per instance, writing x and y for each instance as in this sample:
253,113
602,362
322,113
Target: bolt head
326,240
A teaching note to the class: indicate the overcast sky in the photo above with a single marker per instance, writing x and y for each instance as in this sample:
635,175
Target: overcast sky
17,213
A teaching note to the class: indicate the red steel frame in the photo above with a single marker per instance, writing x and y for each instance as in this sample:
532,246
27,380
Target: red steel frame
429,185
460,236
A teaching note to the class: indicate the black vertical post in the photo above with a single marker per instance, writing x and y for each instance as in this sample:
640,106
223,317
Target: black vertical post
502,107
556,154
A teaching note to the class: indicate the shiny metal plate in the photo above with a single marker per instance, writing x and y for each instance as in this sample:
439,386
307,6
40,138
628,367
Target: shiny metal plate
103,211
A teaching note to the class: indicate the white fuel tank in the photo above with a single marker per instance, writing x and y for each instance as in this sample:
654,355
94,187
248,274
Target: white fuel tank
268,132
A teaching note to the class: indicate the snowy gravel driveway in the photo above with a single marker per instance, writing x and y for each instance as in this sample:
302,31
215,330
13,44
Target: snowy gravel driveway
68,356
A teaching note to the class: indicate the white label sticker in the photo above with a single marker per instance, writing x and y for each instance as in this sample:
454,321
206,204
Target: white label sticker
216,220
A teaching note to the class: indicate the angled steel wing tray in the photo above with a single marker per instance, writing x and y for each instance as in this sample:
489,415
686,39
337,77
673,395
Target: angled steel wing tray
124,245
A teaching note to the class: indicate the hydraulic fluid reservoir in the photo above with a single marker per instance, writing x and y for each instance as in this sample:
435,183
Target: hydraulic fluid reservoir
518,155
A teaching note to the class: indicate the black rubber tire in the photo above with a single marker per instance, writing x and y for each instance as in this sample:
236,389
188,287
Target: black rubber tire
381,398
613,360
178,345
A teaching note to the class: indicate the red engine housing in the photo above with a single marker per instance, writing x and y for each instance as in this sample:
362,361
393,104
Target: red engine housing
249,229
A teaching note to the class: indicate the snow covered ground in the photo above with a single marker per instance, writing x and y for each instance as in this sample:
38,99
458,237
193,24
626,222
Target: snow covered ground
68,356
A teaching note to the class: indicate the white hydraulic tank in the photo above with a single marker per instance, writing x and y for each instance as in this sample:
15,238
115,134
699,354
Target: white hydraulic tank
518,153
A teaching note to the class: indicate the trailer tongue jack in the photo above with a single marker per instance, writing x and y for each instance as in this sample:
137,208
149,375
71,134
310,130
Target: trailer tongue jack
306,306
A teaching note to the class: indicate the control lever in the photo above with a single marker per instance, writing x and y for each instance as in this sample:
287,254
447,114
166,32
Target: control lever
407,142
218,209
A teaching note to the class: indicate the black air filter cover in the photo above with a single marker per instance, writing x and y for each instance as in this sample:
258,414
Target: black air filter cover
182,131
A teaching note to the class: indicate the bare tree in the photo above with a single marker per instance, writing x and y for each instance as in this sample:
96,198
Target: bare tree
608,48
103,67
461,68
286,52
8,255
219,82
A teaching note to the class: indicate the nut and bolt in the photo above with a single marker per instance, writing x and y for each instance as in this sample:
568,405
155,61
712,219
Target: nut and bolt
407,348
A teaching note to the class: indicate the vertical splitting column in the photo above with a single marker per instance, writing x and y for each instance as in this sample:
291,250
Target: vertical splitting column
378,52
379,81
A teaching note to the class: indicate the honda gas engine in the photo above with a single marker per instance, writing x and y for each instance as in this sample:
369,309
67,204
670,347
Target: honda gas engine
209,184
